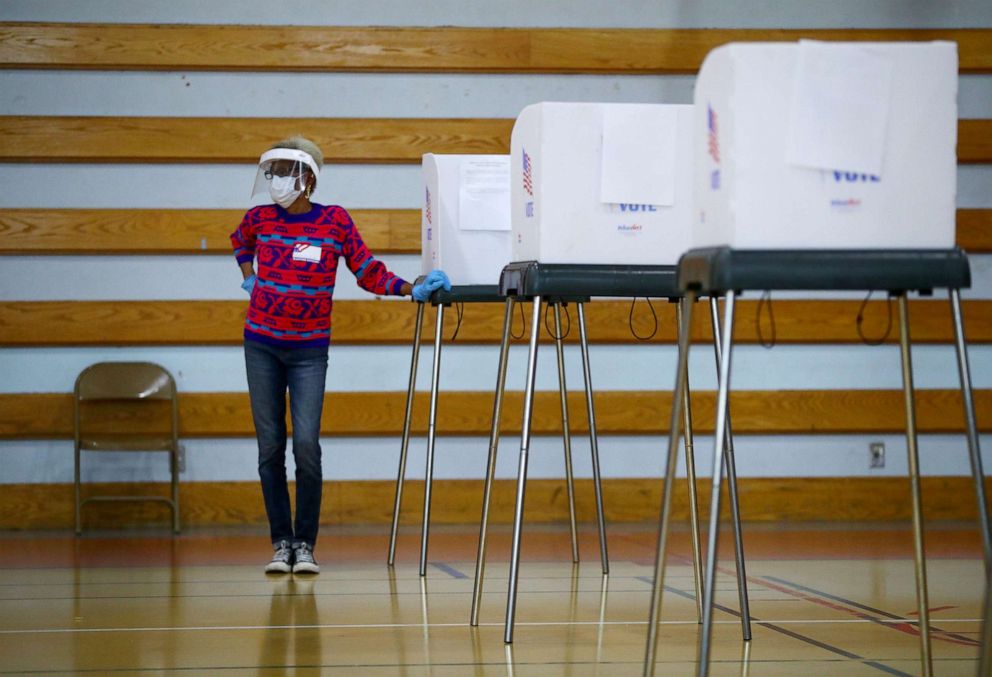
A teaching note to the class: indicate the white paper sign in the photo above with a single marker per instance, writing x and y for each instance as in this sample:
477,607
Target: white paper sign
639,155
840,108
484,194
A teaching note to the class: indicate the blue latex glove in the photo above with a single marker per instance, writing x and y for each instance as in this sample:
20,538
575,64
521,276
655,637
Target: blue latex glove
249,283
434,281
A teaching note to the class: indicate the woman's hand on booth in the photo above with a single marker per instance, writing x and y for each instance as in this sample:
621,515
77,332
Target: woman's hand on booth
436,279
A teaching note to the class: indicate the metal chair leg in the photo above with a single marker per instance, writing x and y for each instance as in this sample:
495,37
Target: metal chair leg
78,491
174,468
914,483
690,472
719,444
518,512
735,506
565,434
480,558
404,445
431,438
77,475
593,439
985,652
971,426
666,497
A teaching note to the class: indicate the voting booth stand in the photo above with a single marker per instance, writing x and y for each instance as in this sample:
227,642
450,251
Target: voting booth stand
465,228
833,170
600,207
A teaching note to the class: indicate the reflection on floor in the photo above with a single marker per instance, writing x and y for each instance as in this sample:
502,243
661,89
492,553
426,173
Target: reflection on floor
825,600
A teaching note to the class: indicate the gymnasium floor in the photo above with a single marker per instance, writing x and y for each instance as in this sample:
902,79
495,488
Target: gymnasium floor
826,600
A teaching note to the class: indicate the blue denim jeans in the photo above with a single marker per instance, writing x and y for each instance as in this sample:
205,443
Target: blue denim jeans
271,370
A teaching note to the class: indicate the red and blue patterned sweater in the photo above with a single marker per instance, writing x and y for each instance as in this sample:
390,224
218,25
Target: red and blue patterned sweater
297,266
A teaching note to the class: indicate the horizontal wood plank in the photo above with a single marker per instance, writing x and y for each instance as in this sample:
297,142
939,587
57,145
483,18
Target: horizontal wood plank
974,141
224,140
974,230
779,499
205,231
416,49
344,140
49,415
173,231
381,322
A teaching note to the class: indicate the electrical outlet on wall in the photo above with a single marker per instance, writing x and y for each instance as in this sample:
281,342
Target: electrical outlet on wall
876,455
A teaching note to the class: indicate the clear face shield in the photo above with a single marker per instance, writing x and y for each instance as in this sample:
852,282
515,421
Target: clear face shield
284,174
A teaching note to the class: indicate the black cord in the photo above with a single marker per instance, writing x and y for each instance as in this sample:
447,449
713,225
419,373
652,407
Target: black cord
630,321
861,318
523,324
459,310
766,297
568,327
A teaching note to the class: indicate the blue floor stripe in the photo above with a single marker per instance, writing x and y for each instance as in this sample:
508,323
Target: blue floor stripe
448,569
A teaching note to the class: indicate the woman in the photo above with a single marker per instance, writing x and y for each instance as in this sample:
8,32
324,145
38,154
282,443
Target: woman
288,327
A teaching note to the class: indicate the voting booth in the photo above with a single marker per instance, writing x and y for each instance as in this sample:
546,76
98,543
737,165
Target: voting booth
826,145
596,183
465,220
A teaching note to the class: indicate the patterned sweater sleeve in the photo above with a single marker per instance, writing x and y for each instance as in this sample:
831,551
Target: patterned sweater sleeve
243,238
372,274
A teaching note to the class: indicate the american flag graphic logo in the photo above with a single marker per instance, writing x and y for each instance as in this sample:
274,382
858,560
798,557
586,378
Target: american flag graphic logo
528,174
714,134
427,205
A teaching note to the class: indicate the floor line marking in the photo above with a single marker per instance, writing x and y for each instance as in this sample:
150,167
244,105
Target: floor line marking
791,633
448,569
908,626
785,621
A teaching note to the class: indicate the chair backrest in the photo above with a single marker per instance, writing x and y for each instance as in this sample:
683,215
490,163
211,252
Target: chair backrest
127,405
125,380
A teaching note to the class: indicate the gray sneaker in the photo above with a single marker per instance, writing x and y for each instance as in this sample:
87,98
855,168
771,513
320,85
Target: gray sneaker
304,561
282,559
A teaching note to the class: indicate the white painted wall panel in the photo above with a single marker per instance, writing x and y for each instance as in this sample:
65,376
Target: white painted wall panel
216,277
206,186
465,458
473,368
361,95
227,186
551,13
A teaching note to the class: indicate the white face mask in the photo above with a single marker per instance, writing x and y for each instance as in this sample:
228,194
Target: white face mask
283,190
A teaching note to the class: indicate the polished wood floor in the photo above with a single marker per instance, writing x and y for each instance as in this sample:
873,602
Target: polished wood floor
826,600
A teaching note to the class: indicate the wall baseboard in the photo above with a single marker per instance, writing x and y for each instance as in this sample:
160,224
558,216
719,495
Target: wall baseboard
847,499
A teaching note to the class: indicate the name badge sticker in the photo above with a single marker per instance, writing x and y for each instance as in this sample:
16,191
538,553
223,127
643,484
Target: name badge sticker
304,251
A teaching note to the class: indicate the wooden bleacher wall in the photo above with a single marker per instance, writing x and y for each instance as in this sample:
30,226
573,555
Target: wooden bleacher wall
50,325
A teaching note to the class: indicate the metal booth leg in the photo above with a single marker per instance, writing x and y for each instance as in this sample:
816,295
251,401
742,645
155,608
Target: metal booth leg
719,444
666,497
971,426
518,512
690,471
431,437
480,558
975,456
735,506
593,438
565,434
914,483
404,445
